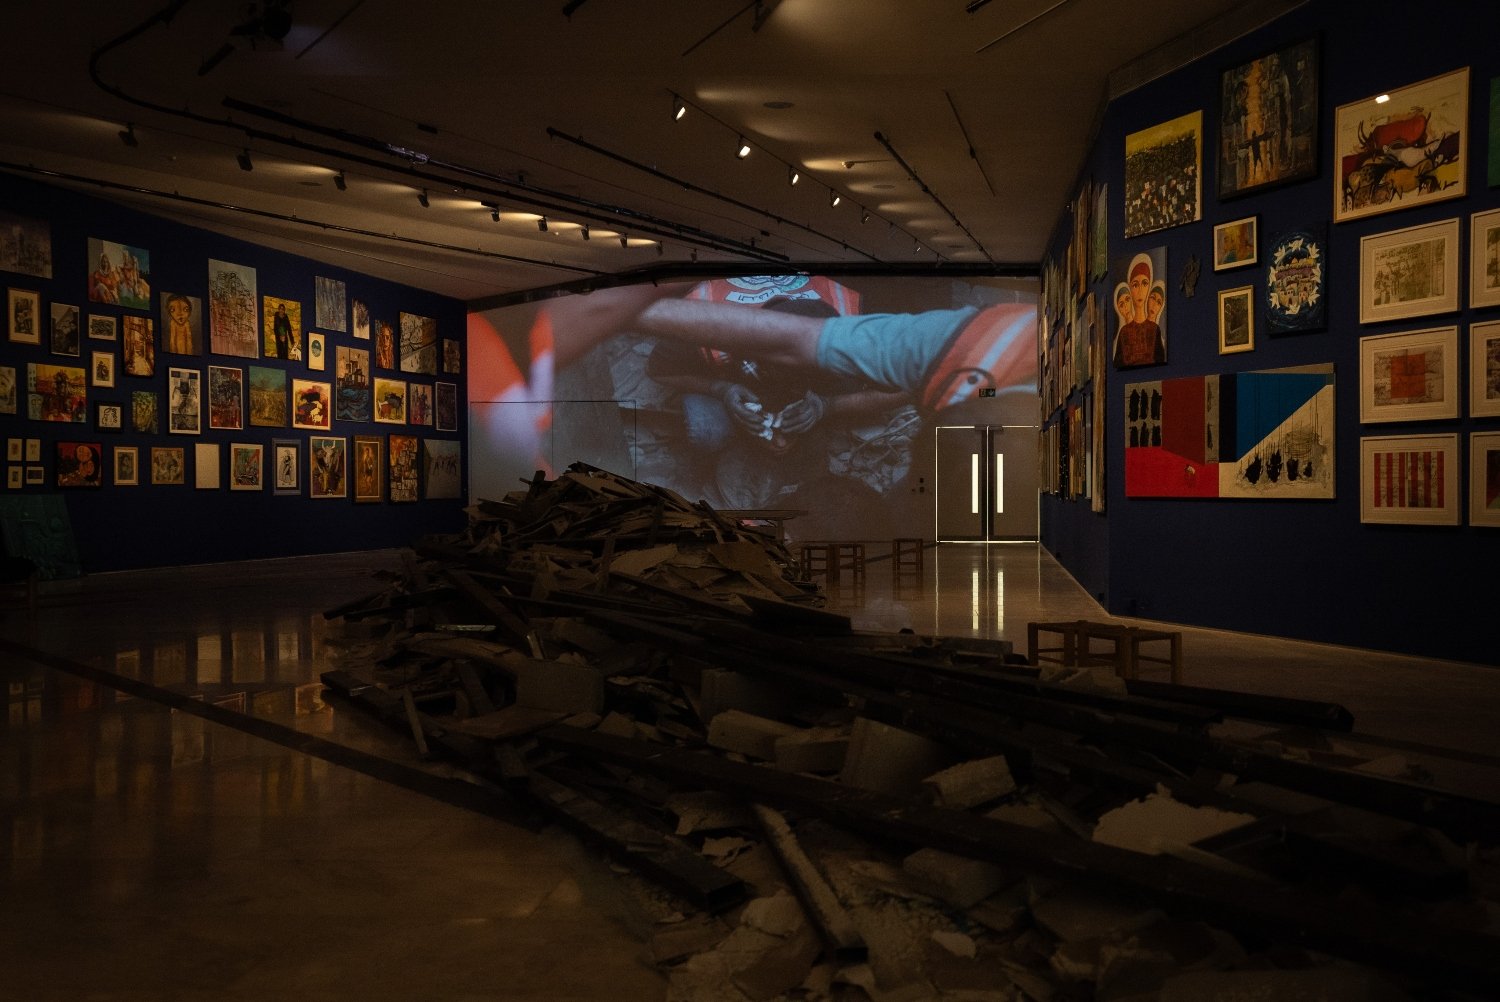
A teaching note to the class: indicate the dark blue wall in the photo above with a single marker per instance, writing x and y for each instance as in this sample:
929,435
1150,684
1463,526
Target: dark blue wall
1304,569
144,526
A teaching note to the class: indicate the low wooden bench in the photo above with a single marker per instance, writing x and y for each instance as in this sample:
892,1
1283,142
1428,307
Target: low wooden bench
1085,644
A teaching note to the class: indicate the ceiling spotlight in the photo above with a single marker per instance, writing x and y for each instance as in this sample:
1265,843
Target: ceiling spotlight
339,182
541,224
422,197
743,150
834,198
127,135
864,215
244,159
679,108
792,175
585,232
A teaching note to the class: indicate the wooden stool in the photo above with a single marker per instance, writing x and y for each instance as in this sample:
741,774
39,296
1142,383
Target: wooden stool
850,557
906,557
817,558
1076,647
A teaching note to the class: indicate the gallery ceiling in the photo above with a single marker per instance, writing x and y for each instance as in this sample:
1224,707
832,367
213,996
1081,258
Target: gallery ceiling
426,143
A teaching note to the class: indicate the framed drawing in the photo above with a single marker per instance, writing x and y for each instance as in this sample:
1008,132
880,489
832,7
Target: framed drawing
127,466
56,393
361,315
1411,376
1140,301
385,345
1402,148
33,450
246,466
28,247
419,404
1236,243
283,327
403,459
65,332
14,477
181,324
144,415
168,466
102,328
24,308
1296,300
13,450
231,309
315,349
351,383
1409,479
328,467
1484,369
418,349
1163,175
36,476
453,361
285,464
184,401
1268,122
80,464
226,397
1236,320
9,397
108,416
138,345
445,406
1484,478
328,297
206,466
102,368
267,397
440,468
1409,273
1484,259
121,275
312,404
369,468
390,400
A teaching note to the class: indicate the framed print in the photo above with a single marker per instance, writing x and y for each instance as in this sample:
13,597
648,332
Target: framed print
109,416
184,401
453,361
80,464
312,405
168,466
33,450
440,468
315,348
13,450
1296,300
1164,175
27,249
351,383
102,328
1403,148
24,308
419,344
15,477
419,404
1409,377
1236,320
283,328
36,476
144,413
327,467
361,315
1235,243
56,393
385,345
390,400
226,397
1484,369
1484,478
268,399
328,295
369,468
1408,273
1484,259
102,368
138,346
231,309
206,466
1268,123
1409,479
181,324
9,398
445,407
65,332
1140,300
246,466
286,461
121,274
127,466
403,457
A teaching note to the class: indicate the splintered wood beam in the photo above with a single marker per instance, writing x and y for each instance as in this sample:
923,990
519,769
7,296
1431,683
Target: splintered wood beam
516,627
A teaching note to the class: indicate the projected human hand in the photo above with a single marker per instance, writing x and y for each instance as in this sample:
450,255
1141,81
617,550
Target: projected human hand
801,415
745,407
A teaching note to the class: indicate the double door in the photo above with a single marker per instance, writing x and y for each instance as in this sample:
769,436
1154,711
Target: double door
986,483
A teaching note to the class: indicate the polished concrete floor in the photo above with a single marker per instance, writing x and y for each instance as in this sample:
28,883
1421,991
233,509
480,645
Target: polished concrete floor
146,853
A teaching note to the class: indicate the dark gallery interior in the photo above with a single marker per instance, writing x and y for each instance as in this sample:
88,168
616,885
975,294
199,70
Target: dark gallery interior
750,500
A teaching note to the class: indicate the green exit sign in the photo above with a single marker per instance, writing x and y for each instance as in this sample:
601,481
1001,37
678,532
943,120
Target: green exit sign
989,392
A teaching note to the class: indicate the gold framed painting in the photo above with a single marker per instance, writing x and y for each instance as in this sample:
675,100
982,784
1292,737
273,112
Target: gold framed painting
1236,320
369,468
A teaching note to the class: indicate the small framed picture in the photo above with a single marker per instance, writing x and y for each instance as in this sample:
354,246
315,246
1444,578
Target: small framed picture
1409,273
328,467
1484,259
15,477
109,416
65,333
1236,320
168,466
312,404
36,476
286,461
445,406
1409,479
80,464
369,468
1236,243
13,450
102,368
10,398
127,466
246,466
24,308
390,400
419,404
1411,376
1484,369
33,450
102,328
184,401
315,349
1484,478
206,466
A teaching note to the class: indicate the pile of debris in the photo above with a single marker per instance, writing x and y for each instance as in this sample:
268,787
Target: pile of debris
842,814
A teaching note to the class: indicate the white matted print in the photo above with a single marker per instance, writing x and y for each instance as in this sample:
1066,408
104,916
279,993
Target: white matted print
206,466
1484,478
1409,479
1484,369
1484,259
1411,376
1409,273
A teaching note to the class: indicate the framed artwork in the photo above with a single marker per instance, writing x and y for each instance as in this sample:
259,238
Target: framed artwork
328,295
445,407
1236,320
453,360
36,476
390,400
1268,122
184,401
109,416
369,468
144,414
138,346
1409,273
33,450
27,249
127,466
102,328
14,477
403,457
1494,175
226,397
1409,377
315,347
440,468
231,310
9,398
13,450
65,332
1484,259
1140,302
24,308
312,405
419,404
1296,300
1164,175
1401,148
283,328
361,314
328,467
121,274
1099,235
419,344
80,464
181,324
1484,478
168,466
385,345
56,393
1236,243
206,466
1409,479
246,466
1484,369
268,399
351,383
102,368
286,461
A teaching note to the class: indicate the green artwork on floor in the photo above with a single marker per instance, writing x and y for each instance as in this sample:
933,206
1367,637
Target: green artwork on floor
37,527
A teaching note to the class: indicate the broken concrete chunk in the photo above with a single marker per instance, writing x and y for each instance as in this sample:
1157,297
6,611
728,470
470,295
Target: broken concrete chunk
720,690
955,943
737,731
1153,824
890,760
969,784
816,749
958,880
780,914
708,810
